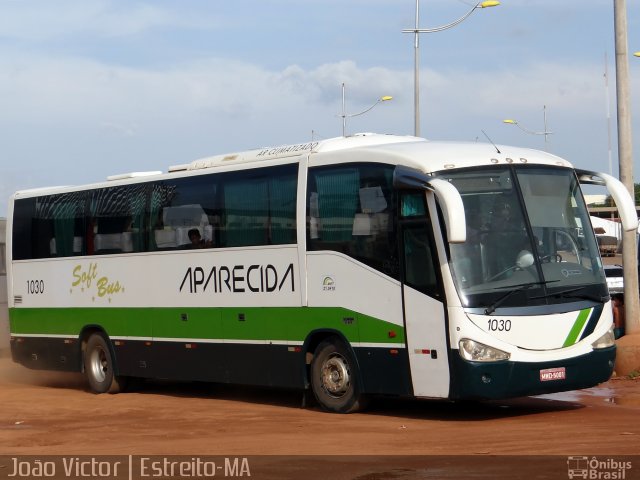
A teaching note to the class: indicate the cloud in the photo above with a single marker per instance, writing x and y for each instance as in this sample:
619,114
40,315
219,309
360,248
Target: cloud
40,20
120,129
68,111
563,86
41,90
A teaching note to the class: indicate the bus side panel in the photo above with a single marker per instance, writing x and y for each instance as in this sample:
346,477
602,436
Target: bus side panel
230,345
223,330
190,361
287,367
134,358
258,346
379,341
42,353
265,363
385,371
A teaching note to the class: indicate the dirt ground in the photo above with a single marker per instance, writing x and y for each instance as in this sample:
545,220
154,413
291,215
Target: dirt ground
47,413
54,413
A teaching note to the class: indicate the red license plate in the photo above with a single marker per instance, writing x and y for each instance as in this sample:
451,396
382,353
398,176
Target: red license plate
552,374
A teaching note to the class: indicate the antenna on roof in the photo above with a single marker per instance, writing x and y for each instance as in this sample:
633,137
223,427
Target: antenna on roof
491,141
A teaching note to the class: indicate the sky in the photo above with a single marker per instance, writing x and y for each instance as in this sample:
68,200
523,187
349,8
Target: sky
92,88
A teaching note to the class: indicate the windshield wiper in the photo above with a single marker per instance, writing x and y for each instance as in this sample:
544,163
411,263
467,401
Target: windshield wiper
516,288
583,296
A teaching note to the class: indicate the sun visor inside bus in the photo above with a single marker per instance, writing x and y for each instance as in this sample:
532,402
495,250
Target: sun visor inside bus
406,178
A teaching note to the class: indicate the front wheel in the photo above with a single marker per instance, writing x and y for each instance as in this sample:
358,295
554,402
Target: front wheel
99,366
335,378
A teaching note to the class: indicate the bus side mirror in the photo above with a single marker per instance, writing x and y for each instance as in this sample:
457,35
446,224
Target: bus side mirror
619,193
406,178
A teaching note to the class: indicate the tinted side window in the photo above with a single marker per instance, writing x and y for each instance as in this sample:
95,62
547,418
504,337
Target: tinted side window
116,220
180,207
234,209
50,226
248,207
351,209
420,258
23,241
260,207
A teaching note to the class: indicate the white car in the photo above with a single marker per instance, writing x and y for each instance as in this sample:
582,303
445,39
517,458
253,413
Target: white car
615,280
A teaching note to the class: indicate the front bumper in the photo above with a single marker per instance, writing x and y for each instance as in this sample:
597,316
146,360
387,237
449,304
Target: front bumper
479,380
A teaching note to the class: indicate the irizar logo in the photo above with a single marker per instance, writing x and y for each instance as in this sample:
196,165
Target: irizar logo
583,467
328,285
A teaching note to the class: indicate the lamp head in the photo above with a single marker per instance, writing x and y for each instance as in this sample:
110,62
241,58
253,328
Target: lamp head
488,3
386,98
510,121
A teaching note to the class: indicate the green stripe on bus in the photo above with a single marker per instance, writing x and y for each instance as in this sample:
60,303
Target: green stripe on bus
572,338
275,323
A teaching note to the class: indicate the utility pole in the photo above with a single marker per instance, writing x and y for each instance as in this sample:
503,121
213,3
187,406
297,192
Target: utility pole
608,108
625,160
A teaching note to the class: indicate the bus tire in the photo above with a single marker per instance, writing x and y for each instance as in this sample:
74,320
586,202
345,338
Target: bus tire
335,379
99,366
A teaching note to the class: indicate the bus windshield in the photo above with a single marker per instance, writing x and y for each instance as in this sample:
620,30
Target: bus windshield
528,232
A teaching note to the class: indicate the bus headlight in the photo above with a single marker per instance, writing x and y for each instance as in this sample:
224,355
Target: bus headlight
479,352
605,341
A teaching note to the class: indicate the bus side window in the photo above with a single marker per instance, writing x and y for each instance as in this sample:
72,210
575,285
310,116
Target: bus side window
351,209
420,272
65,213
259,207
419,252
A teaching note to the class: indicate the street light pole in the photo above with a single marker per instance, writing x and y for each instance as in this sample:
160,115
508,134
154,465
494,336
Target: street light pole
545,132
416,52
416,74
625,161
345,115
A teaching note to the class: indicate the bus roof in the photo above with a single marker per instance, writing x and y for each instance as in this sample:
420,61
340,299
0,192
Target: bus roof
293,150
433,156
426,155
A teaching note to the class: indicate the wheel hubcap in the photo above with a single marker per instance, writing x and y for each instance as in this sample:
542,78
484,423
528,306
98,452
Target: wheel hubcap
98,364
335,375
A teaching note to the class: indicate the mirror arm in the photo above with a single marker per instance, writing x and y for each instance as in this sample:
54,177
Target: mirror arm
619,193
450,200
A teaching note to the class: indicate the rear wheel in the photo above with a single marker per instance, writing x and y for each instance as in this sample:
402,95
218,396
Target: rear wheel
335,378
99,366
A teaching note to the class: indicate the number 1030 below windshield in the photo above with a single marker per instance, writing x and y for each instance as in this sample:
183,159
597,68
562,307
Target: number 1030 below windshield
529,239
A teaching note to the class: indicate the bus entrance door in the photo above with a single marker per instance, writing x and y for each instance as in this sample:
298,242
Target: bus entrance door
424,313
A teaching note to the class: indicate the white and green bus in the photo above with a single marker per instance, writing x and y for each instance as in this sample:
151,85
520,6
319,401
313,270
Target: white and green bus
356,266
